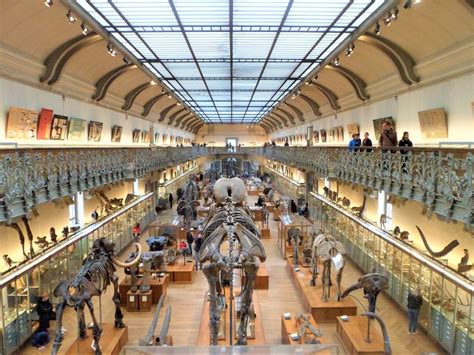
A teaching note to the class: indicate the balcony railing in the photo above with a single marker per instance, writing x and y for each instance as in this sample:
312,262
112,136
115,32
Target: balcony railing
440,178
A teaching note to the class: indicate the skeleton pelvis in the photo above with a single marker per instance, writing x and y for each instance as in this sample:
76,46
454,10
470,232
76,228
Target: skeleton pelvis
233,188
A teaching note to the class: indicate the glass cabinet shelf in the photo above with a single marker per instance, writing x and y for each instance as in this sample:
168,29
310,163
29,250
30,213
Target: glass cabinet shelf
20,288
447,313
286,185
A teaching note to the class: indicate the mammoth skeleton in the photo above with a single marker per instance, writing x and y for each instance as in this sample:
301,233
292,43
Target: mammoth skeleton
230,221
97,272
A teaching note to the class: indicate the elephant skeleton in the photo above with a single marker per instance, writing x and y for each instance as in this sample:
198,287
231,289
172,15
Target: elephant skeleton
230,221
97,272
331,252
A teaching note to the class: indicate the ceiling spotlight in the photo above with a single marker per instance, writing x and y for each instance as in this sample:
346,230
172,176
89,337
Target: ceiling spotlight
377,28
111,50
336,61
350,50
394,14
126,60
70,16
178,103
308,82
48,3
388,21
408,3
315,78
84,29
153,82
169,96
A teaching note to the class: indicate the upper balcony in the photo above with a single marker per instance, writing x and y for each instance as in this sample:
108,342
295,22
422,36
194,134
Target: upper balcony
440,178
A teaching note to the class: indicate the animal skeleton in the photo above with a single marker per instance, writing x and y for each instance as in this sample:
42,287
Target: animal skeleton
331,252
386,339
437,254
230,220
304,325
97,272
294,235
161,339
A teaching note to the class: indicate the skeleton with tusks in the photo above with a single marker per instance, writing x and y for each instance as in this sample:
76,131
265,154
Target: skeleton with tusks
327,250
97,272
230,222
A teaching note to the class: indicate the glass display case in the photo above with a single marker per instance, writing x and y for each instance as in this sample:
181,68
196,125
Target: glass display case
20,288
291,188
447,312
170,186
292,221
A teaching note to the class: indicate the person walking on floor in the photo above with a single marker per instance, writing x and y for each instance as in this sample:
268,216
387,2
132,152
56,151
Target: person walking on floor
414,302
170,199
367,142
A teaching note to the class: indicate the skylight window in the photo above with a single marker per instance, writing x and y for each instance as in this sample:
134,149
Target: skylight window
230,60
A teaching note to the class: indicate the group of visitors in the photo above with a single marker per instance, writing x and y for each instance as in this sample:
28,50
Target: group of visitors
388,138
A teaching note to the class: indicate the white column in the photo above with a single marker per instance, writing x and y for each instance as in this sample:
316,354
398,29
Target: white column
135,190
79,209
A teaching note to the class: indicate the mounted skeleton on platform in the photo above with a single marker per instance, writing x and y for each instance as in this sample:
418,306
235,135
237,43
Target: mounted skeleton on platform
230,221
97,272
188,203
331,252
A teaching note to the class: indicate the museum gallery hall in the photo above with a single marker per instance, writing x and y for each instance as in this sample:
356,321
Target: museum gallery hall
236,176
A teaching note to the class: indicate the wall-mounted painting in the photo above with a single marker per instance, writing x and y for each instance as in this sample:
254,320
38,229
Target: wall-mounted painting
315,136
157,138
172,141
433,123
59,128
95,131
323,136
75,131
340,133
116,134
146,136
22,123
45,121
165,138
378,125
136,136
331,134
352,128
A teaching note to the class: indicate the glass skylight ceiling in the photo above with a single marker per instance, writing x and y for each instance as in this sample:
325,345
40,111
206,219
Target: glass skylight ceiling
231,61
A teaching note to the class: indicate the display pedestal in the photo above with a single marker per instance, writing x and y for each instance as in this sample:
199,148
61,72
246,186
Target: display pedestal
270,206
262,279
354,332
257,213
276,214
158,287
204,332
124,287
254,192
265,232
311,295
111,341
180,273
180,234
145,300
289,326
133,301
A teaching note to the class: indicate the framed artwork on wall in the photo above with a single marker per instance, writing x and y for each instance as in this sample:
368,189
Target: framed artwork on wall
315,136
146,136
323,136
22,123
157,138
378,125
136,136
95,131
172,141
331,134
76,129
340,133
433,123
352,128
165,137
45,121
116,134
59,128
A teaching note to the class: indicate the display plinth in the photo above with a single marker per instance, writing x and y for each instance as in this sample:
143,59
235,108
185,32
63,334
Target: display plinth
158,287
288,326
353,334
311,295
276,214
181,273
180,234
262,279
270,206
124,287
265,232
204,332
133,301
254,192
257,213
145,300
111,342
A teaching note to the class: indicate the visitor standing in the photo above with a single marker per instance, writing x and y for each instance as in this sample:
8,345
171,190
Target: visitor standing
197,247
136,232
44,308
388,137
354,143
170,199
367,142
405,142
414,302
190,240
